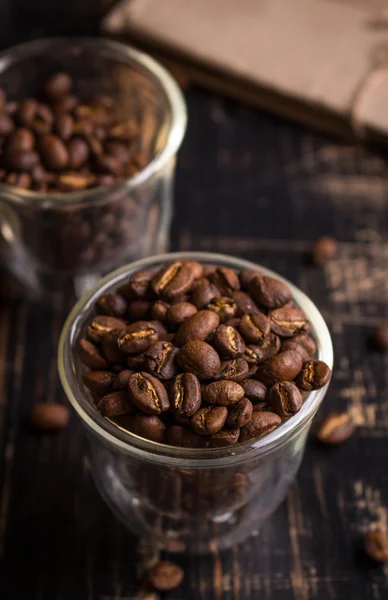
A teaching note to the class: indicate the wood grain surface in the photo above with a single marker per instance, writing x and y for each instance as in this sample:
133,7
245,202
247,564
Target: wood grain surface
254,186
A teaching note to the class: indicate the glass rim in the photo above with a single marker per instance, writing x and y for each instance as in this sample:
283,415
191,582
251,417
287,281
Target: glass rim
170,455
130,55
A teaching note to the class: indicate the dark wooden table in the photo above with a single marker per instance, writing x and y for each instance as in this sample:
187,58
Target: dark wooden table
255,186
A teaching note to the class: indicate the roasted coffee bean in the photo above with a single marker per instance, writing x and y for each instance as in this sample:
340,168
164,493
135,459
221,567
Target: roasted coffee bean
260,424
139,310
285,399
78,153
58,86
20,180
187,438
209,420
380,337
262,406
26,112
246,276
159,310
288,322
224,307
70,181
137,337
149,427
307,343
165,576
203,292
240,414
254,327
107,164
376,546
173,279
254,390
64,126
199,358
196,268
245,304
160,360
148,393
118,150
49,417
282,367
335,428
223,393
266,349
122,380
185,394
225,280
252,369
269,292
116,404
99,382
21,161
234,370
323,250
233,322
53,152
6,125
91,355
224,438
228,341
139,284
314,375
102,325
290,344
137,363
197,327
112,304
110,349
179,312
20,140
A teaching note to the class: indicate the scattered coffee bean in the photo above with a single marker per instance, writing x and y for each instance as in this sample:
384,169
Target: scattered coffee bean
49,417
285,399
314,375
155,354
335,428
380,337
165,576
376,546
323,250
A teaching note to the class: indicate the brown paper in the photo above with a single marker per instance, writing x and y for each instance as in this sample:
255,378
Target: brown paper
323,62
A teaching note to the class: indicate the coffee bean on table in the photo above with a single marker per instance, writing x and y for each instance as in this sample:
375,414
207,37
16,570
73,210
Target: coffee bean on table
260,424
165,576
380,337
49,417
199,358
148,393
285,399
269,292
240,414
185,394
314,375
210,419
223,393
324,250
335,428
376,546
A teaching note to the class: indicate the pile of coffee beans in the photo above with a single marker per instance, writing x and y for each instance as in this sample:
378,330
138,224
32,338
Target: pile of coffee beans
59,142
200,356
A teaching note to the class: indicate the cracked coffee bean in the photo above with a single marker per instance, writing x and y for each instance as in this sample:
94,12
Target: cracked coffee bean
171,362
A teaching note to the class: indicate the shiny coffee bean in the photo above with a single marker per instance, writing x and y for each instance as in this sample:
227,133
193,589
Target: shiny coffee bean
149,427
269,292
245,304
288,322
290,344
199,358
116,404
228,341
233,370
224,307
160,360
223,393
113,305
91,355
203,293
173,280
209,420
246,276
314,375
122,380
336,428
240,414
179,312
282,367
159,310
254,390
137,337
266,349
102,325
285,399
225,280
110,349
139,284
148,393
53,152
185,394
260,424
197,327
254,327
224,438
99,382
